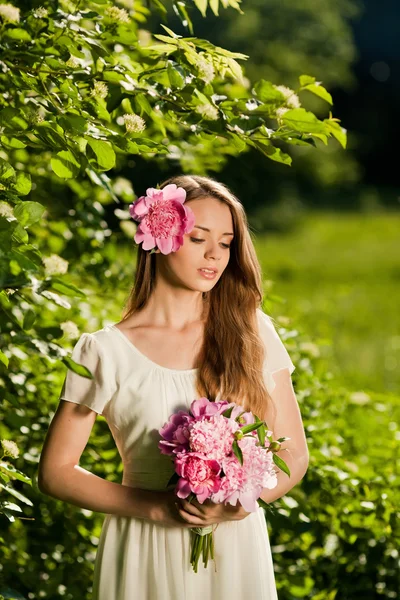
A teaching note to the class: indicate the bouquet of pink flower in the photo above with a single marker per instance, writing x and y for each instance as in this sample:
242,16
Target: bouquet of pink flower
221,453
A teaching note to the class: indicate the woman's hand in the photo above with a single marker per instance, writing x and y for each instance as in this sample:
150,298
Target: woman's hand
200,515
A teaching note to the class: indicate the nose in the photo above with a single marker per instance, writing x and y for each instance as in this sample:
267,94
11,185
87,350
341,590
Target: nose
214,251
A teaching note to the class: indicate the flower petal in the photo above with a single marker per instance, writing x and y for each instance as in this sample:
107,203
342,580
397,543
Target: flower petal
172,192
190,219
139,208
148,242
165,245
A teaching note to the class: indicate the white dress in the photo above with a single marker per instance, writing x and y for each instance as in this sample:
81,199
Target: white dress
137,559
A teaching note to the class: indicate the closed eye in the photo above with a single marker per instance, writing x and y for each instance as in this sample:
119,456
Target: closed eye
197,240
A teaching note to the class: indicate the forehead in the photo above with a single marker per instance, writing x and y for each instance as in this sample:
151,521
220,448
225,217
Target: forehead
212,213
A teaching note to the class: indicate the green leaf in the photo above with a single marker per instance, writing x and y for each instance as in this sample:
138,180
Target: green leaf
3,358
23,183
280,463
214,7
6,170
76,367
202,6
12,472
67,42
65,288
12,142
12,118
335,129
51,134
261,435
184,15
306,80
17,494
263,504
228,411
171,33
143,104
319,90
237,451
19,234
177,80
100,154
28,212
301,120
29,319
72,122
65,165
271,151
247,428
17,34
266,92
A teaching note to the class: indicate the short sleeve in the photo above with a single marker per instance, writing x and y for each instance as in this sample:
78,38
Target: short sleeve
276,357
94,393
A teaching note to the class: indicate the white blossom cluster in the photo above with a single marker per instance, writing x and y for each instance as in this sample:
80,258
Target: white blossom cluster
280,112
6,210
73,62
10,13
10,448
134,123
119,15
207,111
40,12
100,89
54,264
70,329
205,69
291,98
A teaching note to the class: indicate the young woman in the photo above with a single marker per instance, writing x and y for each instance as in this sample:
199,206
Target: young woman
192,327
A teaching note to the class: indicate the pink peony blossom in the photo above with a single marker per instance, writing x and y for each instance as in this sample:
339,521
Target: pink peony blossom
199,475
246,482
213,437
163,218
175,433
203,407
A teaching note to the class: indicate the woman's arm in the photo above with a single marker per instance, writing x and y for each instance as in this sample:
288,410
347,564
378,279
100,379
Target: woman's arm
60,476
286,421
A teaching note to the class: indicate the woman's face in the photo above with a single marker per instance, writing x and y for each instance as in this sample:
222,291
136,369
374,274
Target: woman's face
206,246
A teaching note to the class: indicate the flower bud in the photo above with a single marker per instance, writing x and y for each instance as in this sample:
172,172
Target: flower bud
275,446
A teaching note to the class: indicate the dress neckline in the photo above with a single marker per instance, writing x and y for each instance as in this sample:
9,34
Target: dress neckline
146,358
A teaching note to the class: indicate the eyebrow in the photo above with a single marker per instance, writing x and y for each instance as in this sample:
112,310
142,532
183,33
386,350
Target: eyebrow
206,229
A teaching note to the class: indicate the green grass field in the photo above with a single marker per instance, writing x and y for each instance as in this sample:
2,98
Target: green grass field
338,275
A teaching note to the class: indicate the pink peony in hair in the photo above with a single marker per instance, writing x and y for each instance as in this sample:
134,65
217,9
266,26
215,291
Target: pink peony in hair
163,218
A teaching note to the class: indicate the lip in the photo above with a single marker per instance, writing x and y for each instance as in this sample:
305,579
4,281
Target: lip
209,268
211,275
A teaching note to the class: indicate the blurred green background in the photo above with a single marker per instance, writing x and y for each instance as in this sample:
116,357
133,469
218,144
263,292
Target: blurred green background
326,232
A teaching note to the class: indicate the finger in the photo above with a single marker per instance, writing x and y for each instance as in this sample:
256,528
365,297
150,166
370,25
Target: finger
191,508
189,518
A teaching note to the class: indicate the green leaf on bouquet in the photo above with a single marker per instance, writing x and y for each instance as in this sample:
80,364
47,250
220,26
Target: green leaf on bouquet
263,504
281,464
237,451
261,435
251,427
227,413
173,479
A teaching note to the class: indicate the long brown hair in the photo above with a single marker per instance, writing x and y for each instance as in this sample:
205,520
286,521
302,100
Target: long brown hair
232,354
